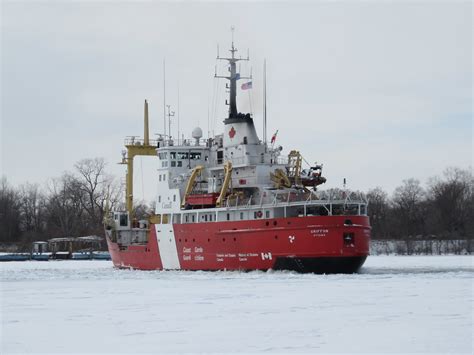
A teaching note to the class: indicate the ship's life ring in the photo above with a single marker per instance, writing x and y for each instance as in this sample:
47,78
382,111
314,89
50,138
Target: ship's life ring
259,214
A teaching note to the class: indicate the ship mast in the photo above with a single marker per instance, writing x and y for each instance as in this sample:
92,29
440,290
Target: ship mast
234,76
170,114
136,147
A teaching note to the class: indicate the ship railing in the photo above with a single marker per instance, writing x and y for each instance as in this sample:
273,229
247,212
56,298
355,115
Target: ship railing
332,207
238,202
171,142
250,160
167,142
334,204
134,140
342,195
281,160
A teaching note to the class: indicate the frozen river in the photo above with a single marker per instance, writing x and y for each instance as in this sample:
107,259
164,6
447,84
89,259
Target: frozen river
396,304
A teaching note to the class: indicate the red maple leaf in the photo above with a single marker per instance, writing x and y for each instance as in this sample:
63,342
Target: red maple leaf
232,132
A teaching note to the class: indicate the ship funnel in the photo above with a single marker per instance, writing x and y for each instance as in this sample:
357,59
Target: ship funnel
146,140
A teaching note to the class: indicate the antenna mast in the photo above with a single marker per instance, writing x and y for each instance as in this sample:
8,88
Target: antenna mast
265,103
178,112
170,114
164,97
146,139
234,76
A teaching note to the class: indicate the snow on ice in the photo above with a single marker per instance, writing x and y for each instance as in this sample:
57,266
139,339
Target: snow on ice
396,304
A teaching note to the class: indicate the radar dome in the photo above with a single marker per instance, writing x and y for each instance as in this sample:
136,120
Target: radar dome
197,133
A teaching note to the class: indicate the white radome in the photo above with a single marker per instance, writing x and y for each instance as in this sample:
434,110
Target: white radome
197,133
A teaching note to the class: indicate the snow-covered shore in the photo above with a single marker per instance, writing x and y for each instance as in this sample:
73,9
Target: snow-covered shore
396,304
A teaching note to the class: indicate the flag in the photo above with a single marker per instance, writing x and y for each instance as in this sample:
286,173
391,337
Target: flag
274,137
246,86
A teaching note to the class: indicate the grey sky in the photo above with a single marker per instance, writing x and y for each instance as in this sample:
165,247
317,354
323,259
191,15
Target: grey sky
377,91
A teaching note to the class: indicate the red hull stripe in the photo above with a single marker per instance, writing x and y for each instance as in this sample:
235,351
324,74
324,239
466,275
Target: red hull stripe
246,245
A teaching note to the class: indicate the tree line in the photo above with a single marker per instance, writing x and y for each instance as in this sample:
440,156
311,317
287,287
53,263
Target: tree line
442,209
73,205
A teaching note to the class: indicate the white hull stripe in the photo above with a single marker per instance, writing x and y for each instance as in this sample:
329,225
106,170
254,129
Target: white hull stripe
167,246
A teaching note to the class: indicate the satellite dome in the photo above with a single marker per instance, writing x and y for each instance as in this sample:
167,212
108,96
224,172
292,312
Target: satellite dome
197,133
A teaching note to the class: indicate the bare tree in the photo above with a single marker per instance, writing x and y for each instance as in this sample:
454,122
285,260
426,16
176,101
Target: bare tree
31,207
408,207
378,211
64,209
98,188
91,183
452,202
9,212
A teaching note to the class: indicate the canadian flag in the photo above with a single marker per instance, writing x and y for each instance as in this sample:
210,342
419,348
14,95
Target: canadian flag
266,256
274,137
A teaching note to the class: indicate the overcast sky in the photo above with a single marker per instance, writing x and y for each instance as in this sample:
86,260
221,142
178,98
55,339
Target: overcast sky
377,91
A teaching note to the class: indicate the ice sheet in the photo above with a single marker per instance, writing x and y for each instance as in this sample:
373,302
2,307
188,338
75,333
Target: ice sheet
396,304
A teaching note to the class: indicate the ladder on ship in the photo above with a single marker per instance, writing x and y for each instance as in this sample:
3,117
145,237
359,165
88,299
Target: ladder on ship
294,167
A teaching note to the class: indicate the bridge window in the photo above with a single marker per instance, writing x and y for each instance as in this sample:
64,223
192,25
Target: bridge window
180,163
182,155
163,156
123,220
173,164
166,219
195,156
172,155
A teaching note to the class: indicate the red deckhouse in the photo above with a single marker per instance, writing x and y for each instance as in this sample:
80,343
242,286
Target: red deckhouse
233,202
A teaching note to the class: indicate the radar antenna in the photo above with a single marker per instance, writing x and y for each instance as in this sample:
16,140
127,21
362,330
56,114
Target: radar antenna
234,76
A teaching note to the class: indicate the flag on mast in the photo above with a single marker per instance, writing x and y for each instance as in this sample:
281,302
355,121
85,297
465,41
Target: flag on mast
246,86
274,137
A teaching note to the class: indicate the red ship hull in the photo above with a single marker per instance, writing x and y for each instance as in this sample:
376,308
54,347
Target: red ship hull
319,244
